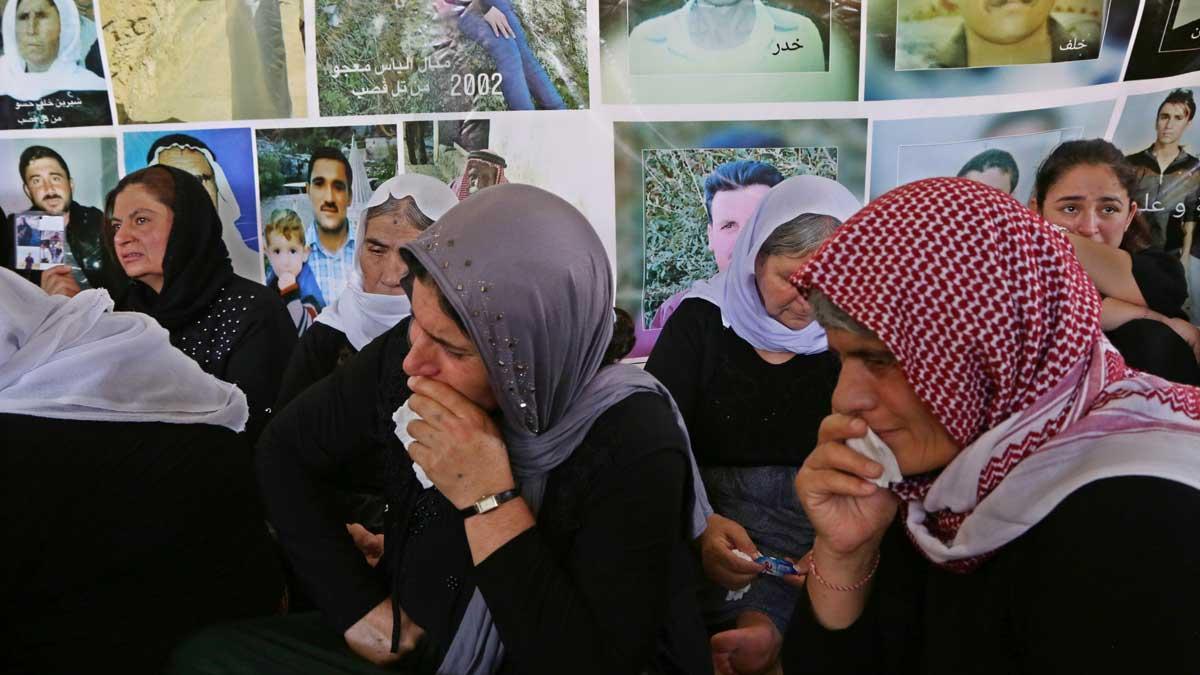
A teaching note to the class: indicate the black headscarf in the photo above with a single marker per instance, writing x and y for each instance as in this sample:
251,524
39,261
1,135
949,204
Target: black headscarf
196,265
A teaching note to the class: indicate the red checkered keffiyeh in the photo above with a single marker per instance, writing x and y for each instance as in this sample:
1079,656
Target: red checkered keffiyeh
997,329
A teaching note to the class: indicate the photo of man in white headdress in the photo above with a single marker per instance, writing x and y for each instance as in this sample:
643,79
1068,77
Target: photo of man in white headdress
43,80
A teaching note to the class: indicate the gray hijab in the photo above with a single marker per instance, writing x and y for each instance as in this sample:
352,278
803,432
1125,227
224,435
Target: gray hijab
530,279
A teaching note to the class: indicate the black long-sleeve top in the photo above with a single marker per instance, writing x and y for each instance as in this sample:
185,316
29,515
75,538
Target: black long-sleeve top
1106,583
602,583
322,348
1150,345
739,409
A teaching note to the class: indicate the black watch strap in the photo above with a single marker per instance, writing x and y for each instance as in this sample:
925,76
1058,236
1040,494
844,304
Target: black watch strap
489,503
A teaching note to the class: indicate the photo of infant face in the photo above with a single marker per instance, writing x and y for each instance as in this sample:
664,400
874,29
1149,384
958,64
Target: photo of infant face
982,33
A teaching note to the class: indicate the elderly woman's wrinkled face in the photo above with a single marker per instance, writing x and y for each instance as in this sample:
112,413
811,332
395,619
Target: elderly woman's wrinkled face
383,269
38,27
873,386
441,351
1090,201
143,227
780,298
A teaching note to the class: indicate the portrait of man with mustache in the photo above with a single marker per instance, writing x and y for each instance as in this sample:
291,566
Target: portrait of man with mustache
330,190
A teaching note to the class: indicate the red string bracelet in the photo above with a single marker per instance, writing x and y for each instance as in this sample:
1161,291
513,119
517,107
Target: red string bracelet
812,567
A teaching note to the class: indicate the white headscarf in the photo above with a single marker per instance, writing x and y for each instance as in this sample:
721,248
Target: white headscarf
246,261
75,359
735,290
65,74
364,316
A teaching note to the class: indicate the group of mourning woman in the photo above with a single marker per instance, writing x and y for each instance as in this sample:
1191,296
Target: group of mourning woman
463,477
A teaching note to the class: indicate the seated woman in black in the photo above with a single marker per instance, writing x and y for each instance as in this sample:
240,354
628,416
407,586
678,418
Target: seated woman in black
129,503
752,375
1038,514
166,234
1089,188
555,536
374,301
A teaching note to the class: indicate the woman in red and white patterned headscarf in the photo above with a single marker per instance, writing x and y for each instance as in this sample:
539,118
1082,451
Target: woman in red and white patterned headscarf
1050,494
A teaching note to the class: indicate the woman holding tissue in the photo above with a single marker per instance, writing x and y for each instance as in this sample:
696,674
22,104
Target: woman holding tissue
556,534
1046,510
752,375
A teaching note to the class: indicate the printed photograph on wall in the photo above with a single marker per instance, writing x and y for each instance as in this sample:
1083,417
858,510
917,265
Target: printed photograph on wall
407,56
1160,137
685,189
223,161
1002,150
51,73
472,154
205,60
1168,40
314,184
734,51
63,181
939,48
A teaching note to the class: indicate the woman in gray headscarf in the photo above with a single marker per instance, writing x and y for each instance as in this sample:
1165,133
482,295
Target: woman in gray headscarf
753,376
556,533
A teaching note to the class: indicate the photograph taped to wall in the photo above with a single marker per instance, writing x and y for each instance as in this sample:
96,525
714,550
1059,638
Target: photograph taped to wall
1003,150
1182,32
200,60
223,161
702,38
733,51
408,56
314,184
66,178
1168,40
983,33
677,216
1160,129
51,73
936,48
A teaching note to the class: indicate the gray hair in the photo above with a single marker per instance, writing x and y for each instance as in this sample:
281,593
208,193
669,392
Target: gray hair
799,236
832,317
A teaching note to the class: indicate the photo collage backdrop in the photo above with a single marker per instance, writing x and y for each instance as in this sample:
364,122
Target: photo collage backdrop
623,108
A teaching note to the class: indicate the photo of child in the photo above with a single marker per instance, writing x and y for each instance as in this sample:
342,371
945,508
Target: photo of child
288,272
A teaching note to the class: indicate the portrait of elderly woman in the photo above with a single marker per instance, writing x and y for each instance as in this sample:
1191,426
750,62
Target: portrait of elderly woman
975,33
1037,510
43,80
724,36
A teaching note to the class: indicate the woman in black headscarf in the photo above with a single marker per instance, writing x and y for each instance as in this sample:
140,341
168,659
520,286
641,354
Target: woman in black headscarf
166,234
553,530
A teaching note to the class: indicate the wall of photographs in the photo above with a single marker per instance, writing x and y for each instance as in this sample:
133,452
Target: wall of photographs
623,107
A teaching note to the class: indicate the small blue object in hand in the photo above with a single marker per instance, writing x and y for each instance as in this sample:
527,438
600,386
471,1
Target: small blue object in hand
776,567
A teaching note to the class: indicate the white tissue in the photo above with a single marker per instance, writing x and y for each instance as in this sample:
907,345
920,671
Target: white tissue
872,446
402,417
737,595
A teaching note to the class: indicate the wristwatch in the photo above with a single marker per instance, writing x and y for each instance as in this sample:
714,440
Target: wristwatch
490,503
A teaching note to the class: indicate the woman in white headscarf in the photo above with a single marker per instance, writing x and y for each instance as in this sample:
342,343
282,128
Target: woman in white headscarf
193,156
398,211
752,374
42,83
124,482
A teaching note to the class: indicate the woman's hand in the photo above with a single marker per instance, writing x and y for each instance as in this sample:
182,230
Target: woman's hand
1189,333
499,23
848,512
369,543
721,565
457,444
59,281
371,636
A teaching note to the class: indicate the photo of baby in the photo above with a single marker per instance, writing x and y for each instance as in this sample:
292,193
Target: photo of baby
288,272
